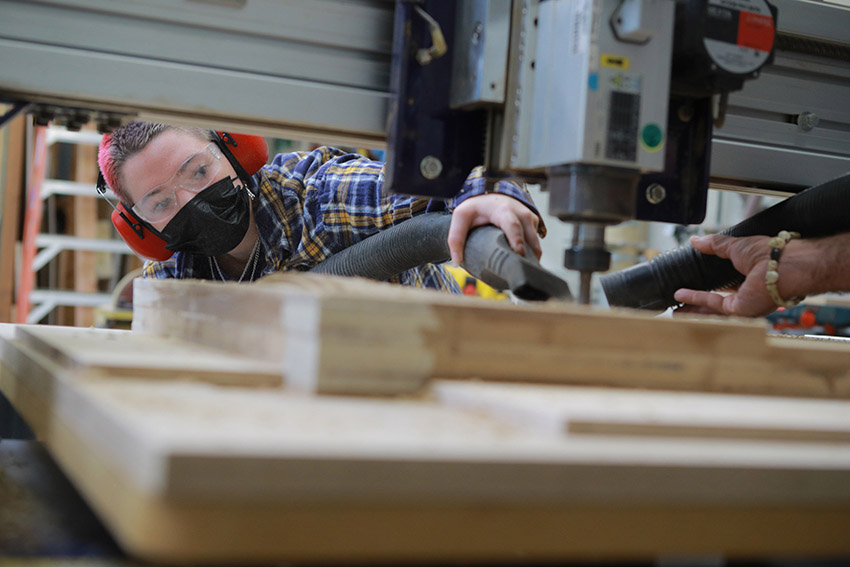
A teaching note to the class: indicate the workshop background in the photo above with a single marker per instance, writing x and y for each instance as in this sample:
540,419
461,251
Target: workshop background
83,272
311,420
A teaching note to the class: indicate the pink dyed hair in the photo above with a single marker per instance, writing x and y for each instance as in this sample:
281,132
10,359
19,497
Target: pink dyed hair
125,142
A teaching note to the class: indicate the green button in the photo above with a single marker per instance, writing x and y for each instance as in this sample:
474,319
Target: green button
652,136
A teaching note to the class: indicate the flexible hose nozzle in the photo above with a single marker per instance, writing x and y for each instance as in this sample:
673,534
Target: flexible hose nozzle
651,285
816,212
422,239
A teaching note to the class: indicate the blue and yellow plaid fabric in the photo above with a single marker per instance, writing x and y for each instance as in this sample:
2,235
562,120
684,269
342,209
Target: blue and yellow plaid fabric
311,205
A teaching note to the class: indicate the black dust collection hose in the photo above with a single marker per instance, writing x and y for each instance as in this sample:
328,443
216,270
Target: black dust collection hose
821,210
422,239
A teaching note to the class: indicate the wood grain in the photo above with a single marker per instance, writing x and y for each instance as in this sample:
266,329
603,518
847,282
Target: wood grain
115,353
194,472
84,219
336,335
12,192
610,411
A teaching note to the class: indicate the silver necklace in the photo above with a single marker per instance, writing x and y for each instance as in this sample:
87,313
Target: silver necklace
255,256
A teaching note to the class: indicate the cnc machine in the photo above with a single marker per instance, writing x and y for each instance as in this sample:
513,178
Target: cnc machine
622,109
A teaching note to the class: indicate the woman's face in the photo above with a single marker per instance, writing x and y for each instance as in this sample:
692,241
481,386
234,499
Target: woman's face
173,168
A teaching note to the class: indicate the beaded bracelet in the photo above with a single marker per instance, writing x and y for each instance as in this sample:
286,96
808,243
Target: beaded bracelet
771,278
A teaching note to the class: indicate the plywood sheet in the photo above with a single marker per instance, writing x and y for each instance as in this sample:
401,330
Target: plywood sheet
187,471
598,411
115,353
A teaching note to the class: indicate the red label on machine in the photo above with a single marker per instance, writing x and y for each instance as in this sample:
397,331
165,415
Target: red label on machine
755,31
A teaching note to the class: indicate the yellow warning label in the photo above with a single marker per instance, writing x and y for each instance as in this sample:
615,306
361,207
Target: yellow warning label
615,61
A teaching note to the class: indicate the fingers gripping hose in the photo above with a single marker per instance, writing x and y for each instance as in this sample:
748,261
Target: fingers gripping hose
423,239
818,211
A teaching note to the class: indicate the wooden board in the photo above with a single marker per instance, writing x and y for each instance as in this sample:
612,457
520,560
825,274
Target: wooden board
194,472
117,353
606,411
12,146
355,336
84,225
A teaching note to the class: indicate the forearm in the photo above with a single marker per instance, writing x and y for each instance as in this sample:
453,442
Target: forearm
815,266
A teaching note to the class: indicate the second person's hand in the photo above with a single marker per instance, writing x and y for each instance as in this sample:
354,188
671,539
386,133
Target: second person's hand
749,255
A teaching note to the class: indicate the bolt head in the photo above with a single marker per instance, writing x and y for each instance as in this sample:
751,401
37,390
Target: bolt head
477,30
656,193
430,167
807,121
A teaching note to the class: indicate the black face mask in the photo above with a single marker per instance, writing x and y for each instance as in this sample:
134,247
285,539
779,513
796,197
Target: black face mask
213,222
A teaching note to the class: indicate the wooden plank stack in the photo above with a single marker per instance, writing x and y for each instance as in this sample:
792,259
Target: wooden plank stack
479,432
353,336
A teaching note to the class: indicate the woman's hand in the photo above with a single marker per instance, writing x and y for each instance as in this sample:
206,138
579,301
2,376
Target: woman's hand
749,255
517,221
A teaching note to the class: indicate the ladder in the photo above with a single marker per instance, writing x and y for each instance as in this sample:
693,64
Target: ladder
39,249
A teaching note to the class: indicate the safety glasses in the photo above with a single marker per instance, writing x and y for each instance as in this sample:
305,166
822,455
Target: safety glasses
194,175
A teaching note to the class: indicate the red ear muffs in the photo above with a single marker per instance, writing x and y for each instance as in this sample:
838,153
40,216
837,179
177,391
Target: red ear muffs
139,237
250,152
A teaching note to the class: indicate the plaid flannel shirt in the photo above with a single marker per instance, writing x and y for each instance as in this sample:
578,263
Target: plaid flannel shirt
311,205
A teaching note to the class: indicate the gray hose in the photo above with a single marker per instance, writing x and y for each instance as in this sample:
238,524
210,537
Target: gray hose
423,239
414,242
821,210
